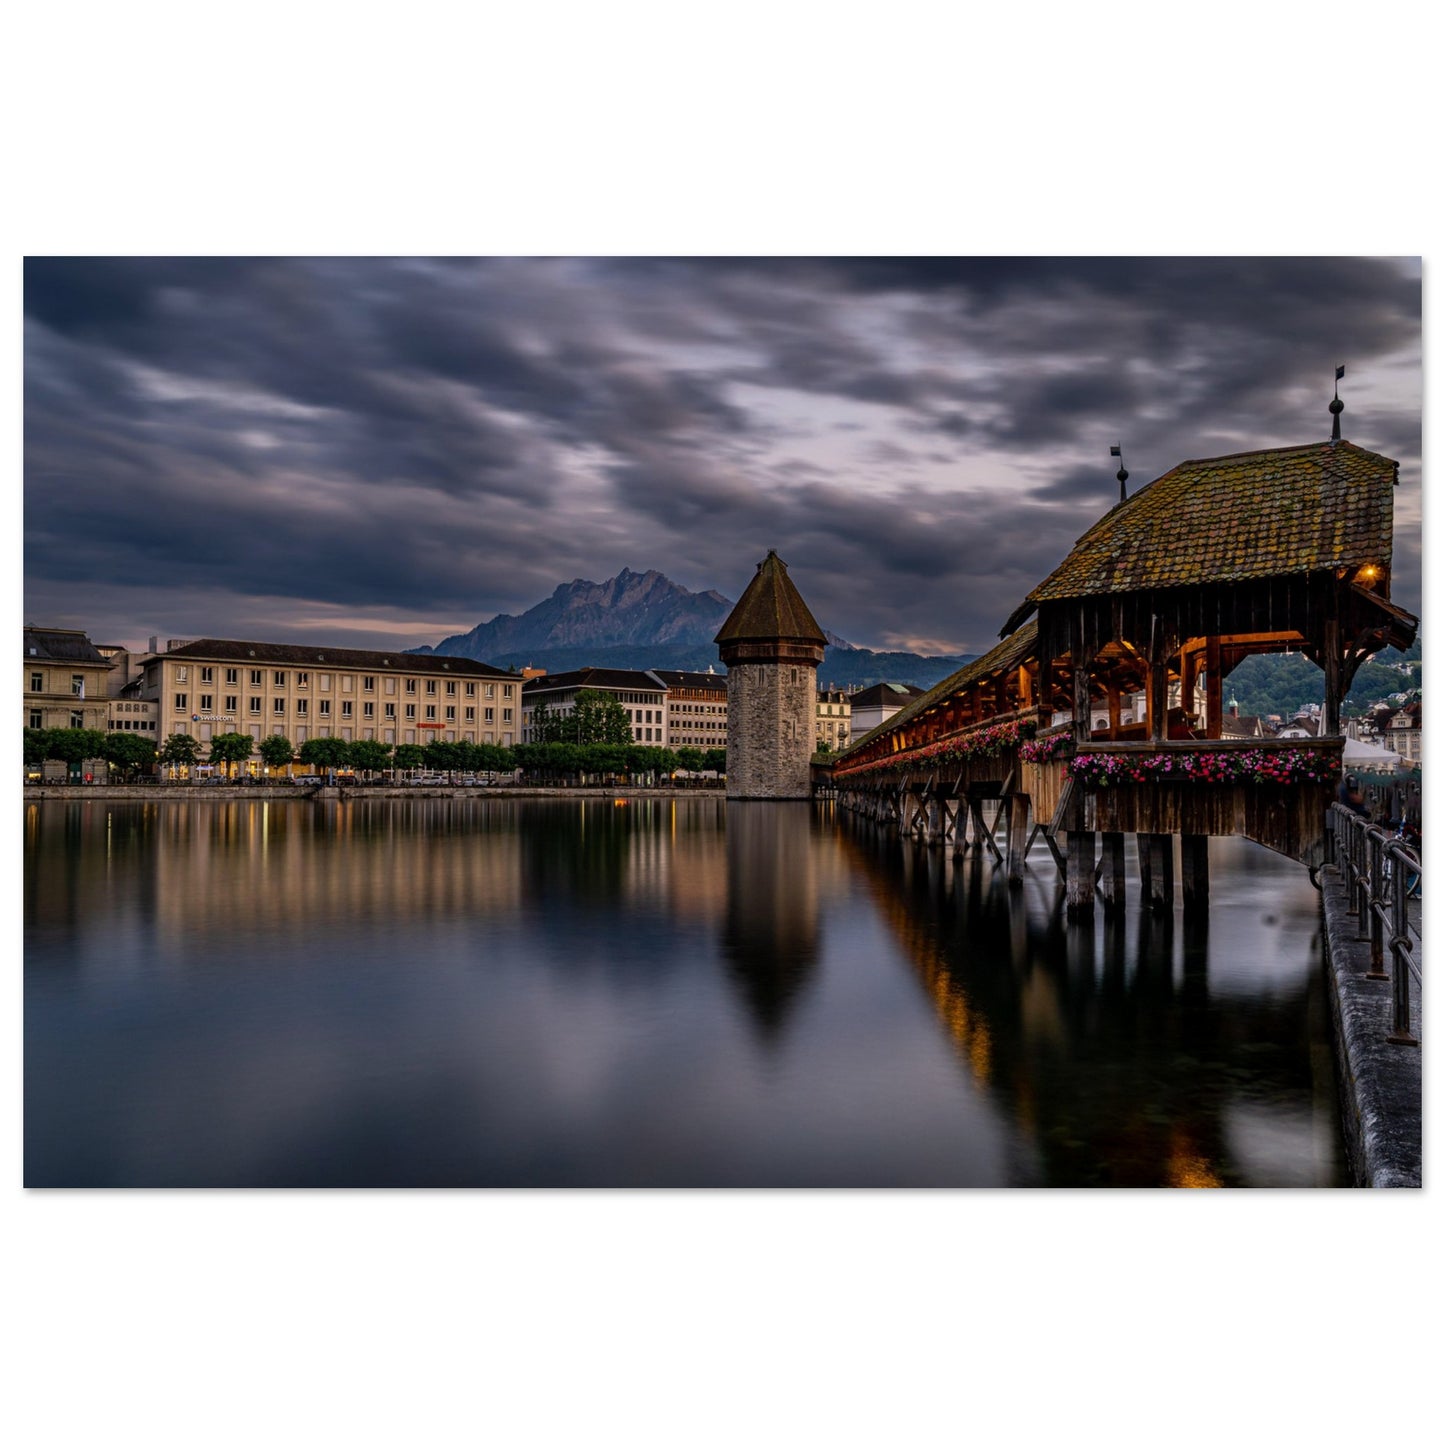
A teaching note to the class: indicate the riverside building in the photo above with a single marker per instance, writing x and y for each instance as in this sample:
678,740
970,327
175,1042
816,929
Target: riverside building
66,680
643,695
302,692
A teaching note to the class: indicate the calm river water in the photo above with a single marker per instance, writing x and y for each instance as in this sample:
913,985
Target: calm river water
660,993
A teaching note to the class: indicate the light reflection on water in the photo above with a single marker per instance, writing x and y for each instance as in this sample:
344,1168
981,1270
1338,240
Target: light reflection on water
672,992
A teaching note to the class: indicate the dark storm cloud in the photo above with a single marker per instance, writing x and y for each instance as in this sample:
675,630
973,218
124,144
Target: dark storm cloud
922,438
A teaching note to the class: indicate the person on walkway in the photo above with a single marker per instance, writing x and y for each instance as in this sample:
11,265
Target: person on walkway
1351,796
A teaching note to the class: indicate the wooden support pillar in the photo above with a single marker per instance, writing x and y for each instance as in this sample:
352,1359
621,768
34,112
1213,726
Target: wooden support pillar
1111,879
1194,873
1213,690
1018,835
1114,714
934,835
1161,871
1188,673
1332,661
1079,880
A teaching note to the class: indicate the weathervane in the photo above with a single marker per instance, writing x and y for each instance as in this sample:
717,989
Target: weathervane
1122,475
1337,406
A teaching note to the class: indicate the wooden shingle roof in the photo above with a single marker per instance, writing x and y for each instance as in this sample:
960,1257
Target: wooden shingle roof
1235,518
771,610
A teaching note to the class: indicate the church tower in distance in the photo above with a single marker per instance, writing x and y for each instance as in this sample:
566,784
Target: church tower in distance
771,647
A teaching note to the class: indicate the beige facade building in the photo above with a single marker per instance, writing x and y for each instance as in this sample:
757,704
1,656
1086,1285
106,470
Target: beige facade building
835,719
302,692
66,680
697,708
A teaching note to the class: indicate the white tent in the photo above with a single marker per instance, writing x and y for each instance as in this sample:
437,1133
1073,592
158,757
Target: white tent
1367,758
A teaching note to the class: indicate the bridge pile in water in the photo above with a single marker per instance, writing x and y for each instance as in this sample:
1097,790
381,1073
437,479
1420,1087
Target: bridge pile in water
1265,551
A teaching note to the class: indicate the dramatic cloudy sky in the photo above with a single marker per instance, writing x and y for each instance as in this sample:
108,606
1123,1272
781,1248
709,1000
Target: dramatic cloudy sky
384,452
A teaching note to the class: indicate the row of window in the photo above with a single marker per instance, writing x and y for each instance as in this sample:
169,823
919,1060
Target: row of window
77,683
302,734
280,678
301,707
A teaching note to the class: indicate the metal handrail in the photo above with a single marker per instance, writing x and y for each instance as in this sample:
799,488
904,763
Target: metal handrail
1375,865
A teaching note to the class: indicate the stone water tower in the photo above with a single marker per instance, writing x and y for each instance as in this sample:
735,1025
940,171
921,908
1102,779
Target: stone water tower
771,647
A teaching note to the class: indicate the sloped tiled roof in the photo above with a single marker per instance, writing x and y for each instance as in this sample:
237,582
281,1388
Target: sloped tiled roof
891,693
60,644
210,649
770,609
1016,648
1233,518
614,679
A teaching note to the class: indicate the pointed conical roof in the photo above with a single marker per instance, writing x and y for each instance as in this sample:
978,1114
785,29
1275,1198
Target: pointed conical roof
771,609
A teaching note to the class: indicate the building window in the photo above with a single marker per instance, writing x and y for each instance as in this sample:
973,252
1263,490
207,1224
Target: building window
230,703
411,687
278,706
471,689
491,689
37,682
368,684
506,714
300,707
183,674
431,712
208,674
233,676
410,711
368,709
346,707
256,676
303,679
451,713
278,679
181,702
77,685
37,718
489,714
470,714
77,719
431,687
506,689
390,709
324,682
325,707
451,689
208,701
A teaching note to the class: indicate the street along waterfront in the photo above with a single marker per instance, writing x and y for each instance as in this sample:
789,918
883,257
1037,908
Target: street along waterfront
649,992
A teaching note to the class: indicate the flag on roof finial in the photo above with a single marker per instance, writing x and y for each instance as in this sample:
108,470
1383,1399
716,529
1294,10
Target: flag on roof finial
1121,476
1337,406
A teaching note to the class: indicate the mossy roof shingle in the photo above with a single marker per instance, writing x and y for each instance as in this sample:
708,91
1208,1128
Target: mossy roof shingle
770,609
1233,518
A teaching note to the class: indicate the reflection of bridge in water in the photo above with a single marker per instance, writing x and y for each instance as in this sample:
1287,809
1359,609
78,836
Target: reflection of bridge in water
1104,1043
1215,561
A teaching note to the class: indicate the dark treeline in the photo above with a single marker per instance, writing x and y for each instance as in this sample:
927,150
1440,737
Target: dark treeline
131,755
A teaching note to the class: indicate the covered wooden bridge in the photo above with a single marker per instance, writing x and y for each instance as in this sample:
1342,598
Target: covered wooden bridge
1265,551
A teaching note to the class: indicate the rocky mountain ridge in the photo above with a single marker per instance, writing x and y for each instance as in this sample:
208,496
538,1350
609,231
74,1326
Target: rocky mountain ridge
644,619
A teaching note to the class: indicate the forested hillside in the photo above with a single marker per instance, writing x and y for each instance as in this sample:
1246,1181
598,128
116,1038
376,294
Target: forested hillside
1284,682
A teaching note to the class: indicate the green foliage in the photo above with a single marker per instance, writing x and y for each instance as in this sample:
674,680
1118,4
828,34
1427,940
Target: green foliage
325,752
276,751
408,756
1284,682
75,745
180,750
130,752
715,760
690,759
597,717
370,756
37,746
228,749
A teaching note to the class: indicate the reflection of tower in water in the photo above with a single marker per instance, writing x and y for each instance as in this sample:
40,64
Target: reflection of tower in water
770,929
